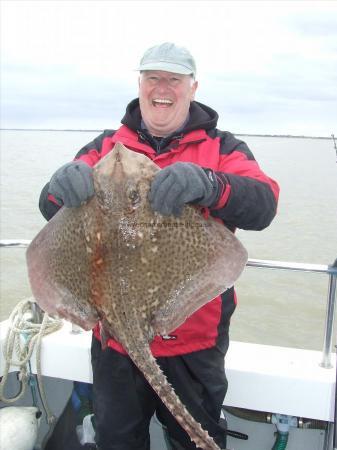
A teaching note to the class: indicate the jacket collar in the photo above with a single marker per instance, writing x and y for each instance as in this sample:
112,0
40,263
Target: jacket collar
200,117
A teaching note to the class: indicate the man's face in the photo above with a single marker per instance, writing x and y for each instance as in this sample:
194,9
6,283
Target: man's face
165,99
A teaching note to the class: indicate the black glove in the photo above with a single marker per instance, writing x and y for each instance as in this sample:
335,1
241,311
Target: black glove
72,184
182,183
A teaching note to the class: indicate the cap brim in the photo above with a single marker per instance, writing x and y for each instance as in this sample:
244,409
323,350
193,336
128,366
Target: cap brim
166,67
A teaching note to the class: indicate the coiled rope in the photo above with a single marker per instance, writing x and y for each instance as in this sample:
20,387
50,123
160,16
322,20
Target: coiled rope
22,336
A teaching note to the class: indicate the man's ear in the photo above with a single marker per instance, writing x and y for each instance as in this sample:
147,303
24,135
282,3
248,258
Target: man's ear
194,88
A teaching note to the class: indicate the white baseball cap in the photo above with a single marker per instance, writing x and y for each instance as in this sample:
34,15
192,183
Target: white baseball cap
169,58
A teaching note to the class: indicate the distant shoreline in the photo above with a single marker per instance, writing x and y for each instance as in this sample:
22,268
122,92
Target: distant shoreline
236,134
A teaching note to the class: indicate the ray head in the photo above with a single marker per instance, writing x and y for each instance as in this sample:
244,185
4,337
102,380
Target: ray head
122,180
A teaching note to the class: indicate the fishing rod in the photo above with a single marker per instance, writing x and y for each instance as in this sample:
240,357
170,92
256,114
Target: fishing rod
334,144
334,436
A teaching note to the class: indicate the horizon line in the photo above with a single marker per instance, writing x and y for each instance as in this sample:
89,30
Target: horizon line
236,134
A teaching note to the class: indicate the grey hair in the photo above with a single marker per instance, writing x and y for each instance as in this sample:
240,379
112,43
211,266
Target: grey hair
192,75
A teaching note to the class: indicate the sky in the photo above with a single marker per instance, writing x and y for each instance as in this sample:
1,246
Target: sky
267,67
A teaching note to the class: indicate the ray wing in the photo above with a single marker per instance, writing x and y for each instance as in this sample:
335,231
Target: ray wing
209,260
61,262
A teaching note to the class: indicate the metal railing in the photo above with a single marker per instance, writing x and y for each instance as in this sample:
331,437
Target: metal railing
330,270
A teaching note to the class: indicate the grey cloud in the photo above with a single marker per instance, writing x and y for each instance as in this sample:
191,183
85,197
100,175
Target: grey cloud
285,86
33,96
276,105
291,77
280,103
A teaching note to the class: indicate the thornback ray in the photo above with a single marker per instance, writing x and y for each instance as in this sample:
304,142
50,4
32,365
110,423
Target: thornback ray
140,274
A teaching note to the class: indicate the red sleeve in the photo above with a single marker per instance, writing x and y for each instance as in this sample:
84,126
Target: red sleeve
249,197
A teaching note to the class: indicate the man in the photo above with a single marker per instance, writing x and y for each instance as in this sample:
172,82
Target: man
203,166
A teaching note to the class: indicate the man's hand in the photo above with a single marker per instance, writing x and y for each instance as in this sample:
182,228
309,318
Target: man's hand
72,184
182,183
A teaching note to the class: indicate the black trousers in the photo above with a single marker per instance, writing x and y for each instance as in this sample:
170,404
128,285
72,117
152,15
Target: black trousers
124,402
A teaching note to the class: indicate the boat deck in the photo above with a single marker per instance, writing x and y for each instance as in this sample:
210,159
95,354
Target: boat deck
262,378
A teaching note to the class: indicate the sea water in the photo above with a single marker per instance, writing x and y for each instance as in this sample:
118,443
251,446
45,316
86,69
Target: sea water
274,307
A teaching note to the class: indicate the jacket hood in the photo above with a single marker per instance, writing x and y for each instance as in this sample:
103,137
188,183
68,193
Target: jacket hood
201,117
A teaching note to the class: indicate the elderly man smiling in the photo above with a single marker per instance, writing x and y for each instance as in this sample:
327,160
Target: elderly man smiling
165,96
201,165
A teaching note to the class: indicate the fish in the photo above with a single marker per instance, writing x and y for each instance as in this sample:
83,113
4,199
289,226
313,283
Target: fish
115,261
19,427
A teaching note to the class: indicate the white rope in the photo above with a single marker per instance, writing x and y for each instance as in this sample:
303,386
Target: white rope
21,338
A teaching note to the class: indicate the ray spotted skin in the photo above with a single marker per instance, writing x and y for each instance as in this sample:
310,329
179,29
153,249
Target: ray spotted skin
139,273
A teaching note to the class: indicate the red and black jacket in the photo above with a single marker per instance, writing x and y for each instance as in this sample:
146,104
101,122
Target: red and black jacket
247,200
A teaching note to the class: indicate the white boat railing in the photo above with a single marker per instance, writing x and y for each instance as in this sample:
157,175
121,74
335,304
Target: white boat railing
330,270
